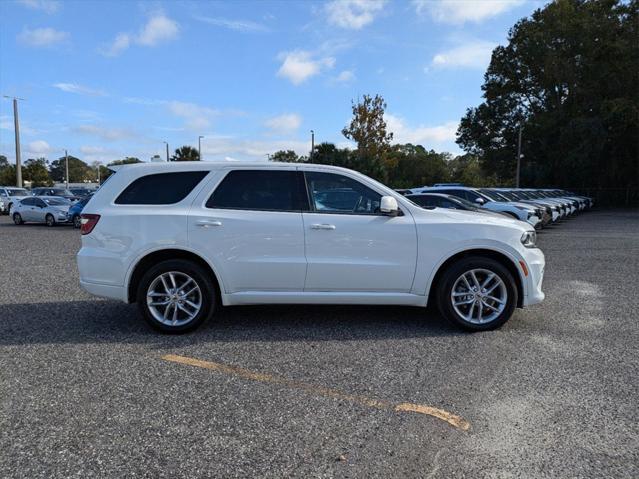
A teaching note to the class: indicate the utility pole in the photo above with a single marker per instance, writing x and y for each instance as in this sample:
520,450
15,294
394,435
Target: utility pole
16,124
66,167
199,147
312,145
98,175
519,155
167,150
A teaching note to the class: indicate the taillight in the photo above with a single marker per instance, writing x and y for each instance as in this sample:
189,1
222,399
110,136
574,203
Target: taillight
87,223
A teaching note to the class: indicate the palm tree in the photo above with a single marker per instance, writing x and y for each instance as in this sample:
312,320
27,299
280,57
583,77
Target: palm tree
186,153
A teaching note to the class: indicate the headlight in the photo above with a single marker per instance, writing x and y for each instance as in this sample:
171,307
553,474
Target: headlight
529,239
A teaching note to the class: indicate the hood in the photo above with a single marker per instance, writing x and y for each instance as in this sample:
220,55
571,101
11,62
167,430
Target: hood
472,217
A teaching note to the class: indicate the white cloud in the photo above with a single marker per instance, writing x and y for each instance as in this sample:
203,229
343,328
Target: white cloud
216,148
420,135
345,77
38,147
246,26
105,133
158,29
47,6
92,150
79,89
286,123
471,55
196,117
42,37
119,44
461,11
299,65
353,14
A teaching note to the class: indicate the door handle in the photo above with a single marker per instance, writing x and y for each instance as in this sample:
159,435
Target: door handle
322,227
208,223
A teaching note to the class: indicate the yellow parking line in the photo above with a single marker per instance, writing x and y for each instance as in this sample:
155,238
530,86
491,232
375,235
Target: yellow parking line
452,419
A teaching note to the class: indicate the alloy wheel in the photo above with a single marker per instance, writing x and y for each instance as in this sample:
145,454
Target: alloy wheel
479,296
174,298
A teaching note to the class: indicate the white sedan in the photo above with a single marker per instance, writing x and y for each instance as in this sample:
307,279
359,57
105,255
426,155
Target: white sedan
41,209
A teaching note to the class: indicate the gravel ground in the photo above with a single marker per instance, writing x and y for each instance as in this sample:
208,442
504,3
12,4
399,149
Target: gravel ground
84,391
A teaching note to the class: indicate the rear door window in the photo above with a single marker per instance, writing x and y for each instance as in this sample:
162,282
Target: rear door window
260,190
160,188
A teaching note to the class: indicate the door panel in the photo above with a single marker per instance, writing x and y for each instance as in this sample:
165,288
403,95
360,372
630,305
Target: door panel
252,250
350,246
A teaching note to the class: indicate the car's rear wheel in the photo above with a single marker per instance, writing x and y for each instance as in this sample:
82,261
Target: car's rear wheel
17,219
477,294
176,296
77,221
49,220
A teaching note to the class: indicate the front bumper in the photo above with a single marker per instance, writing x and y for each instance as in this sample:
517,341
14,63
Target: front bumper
535,263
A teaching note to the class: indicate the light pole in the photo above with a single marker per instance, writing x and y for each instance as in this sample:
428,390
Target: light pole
66,168
519,156
16,125
312,145
167,150
199,147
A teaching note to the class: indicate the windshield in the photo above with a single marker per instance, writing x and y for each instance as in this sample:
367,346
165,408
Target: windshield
56,201
17,192
465,203
491,195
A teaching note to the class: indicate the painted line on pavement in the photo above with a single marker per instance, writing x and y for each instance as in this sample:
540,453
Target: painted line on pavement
236,371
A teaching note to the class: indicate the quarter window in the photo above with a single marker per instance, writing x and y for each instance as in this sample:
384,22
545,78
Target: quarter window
331,193
160,188
260,190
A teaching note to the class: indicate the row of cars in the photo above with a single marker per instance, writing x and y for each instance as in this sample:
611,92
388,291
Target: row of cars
537,207
44,205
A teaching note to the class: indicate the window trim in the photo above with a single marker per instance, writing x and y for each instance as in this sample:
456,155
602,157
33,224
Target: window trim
311,203
298,178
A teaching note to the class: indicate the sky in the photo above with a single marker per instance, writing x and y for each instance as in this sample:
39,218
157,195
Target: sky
109,79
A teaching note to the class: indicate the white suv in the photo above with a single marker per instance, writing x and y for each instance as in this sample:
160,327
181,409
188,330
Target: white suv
181,239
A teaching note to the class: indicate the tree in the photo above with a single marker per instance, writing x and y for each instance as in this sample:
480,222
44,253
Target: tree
7,172
570,76
288,156
79,171
186,153
36,171
105,172
412,165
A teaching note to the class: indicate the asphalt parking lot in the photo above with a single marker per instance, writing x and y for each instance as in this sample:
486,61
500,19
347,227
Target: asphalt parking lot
88,390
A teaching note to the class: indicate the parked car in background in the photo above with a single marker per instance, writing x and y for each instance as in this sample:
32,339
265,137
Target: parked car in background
520,211
76,210
60,192
80,192
9,194
440,200
181,238
50,210
550,211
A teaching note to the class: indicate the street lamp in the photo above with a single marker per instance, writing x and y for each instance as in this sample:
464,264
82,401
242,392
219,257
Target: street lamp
16,124
312,145
519,156
199,147
167,150
66,167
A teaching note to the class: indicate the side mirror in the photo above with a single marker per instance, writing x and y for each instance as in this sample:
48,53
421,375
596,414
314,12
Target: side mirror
480,201
388,206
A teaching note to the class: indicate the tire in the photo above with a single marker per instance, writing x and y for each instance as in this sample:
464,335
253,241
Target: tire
17,219
76,221
494,313
49,220
157,315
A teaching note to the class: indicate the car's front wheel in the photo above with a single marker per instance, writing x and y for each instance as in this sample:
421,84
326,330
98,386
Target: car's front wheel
77,221
477,294
176,296
49,220
17,219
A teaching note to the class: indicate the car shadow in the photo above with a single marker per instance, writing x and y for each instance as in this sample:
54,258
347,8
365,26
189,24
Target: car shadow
98,321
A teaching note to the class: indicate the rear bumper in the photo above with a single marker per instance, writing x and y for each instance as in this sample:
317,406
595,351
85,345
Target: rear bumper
105,290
